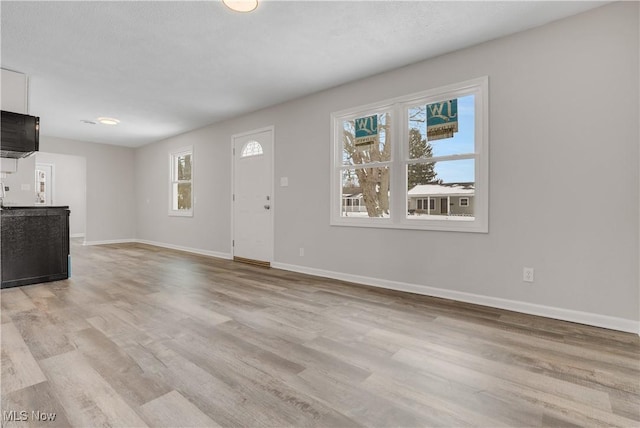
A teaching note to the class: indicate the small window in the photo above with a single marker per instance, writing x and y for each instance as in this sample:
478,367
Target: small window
251,148
181,182
464,202
426,204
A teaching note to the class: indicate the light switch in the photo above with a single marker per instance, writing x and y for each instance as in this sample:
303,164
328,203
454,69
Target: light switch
284,181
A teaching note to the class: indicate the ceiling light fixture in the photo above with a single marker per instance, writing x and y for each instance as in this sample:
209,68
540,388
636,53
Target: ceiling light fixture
241,5
108,121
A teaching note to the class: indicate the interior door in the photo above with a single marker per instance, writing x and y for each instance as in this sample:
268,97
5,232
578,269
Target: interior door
253,197
44,184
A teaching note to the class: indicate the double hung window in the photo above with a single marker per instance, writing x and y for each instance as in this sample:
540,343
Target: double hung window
414,162
181,182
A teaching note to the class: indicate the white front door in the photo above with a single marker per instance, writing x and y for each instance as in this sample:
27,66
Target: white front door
253,196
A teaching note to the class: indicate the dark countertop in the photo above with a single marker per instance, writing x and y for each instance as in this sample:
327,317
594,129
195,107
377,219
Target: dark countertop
33,207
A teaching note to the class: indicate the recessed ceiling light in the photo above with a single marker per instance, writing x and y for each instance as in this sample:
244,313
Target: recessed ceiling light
108,121
241,5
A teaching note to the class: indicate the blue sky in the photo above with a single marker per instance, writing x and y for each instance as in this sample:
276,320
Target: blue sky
462,142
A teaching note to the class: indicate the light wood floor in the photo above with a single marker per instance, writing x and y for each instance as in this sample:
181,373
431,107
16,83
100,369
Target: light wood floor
142,336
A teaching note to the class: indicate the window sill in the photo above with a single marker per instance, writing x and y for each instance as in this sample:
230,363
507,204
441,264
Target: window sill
449,225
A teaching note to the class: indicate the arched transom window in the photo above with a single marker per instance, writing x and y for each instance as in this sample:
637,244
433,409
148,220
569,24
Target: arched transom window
251,148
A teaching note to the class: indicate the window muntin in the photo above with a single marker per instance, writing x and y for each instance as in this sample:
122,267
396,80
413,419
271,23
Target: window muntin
181,182
459,162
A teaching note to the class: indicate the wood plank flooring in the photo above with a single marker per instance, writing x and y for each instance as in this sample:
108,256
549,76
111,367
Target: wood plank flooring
142,336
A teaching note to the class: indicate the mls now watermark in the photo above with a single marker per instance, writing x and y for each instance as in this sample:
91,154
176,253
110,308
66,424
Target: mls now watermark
23,416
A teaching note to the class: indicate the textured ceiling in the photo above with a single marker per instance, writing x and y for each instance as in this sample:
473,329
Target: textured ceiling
164,68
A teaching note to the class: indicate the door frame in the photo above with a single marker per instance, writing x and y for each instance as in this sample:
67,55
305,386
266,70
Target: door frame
270,128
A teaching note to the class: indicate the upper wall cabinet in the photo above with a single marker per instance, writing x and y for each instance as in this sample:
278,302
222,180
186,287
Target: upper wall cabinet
14,92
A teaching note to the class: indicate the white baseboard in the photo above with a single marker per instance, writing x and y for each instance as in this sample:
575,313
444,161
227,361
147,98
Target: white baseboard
596,320
217,254
77,235
110,241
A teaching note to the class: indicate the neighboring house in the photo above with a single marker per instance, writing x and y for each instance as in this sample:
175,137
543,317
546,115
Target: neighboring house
352,201
453,199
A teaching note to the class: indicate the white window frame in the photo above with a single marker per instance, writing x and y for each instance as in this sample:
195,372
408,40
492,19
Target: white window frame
399,218
173,155
466,199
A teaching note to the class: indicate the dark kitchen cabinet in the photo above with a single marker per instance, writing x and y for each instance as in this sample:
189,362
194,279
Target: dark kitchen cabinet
35,245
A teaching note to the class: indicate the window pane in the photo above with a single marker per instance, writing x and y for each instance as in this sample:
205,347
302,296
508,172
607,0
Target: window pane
441,189
462,142
184,196
251,148
375,147
365,192
184,167
174,196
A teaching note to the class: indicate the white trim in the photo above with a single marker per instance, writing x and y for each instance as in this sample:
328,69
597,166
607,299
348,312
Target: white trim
597,320
219,255
76,235
272,200
27,85
110,241
254,131
466,198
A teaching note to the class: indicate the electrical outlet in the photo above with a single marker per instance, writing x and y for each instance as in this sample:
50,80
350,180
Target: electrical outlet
301,252
527,274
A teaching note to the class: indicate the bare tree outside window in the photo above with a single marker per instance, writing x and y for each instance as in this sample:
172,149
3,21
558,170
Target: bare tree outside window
373,180
184,182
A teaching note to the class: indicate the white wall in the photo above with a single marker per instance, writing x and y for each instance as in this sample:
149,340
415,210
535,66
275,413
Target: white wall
110,189
21,183
564,134
69,187
563,146
208,229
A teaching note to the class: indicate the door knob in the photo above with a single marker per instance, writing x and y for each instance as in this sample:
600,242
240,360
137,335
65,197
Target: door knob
266,207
